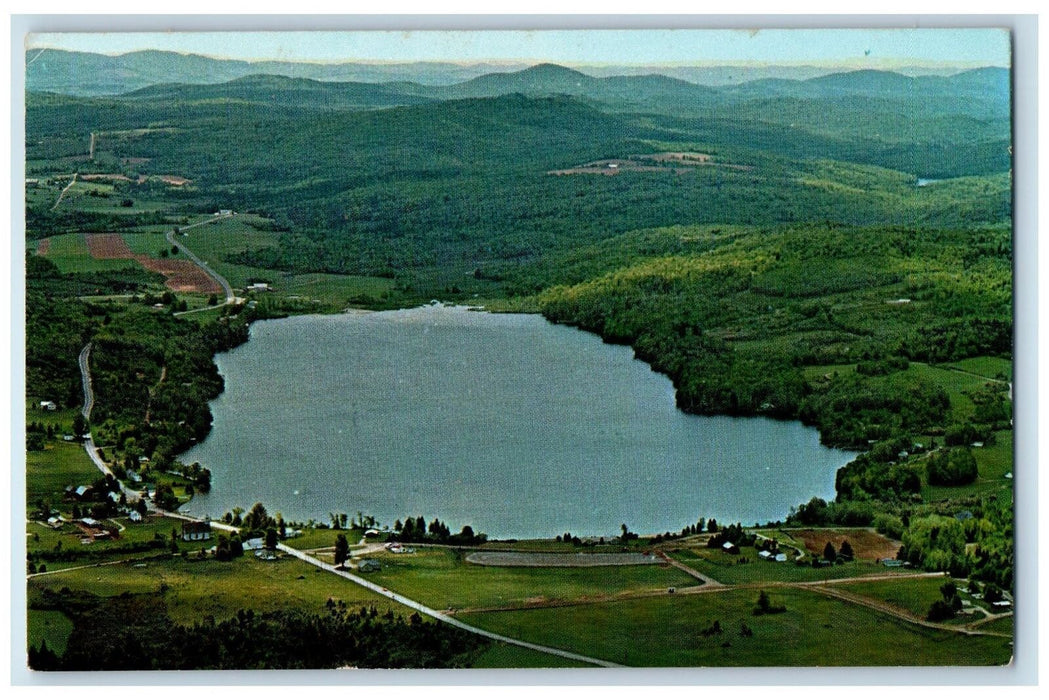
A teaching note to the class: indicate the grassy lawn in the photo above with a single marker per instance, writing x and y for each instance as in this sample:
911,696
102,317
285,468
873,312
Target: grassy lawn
440,579
726,569
193,589
669,631
318,538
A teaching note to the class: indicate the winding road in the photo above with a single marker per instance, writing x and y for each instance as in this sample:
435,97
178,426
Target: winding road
222,282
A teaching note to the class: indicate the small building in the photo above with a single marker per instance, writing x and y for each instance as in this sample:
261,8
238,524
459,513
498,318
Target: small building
253,544
48,405
765,554
893,563
730,548
781,557
977,444
54,522
259,287
81,492
196,531
371,532
368,565
134,516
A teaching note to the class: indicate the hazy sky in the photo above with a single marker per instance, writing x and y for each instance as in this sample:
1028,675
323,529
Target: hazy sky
859,47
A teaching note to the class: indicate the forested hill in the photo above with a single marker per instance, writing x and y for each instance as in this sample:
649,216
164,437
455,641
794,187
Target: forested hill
930,126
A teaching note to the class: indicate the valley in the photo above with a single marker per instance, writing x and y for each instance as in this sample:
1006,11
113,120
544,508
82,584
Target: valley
771,247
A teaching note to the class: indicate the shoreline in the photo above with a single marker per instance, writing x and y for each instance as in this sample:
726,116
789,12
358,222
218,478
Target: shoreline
457,307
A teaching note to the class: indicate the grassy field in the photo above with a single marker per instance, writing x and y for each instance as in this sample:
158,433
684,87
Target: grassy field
147,243
193,589
991,367
59,465
670,631
1006,625
101,197
440,579
214,241
993,462
499,655
726,569
335,289
915,595
69,253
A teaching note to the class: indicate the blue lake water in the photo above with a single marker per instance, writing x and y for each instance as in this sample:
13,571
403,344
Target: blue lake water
506,422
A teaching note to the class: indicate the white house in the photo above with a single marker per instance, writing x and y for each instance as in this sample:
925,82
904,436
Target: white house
49,405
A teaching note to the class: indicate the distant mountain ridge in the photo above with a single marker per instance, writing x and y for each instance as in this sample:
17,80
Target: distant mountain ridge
90,74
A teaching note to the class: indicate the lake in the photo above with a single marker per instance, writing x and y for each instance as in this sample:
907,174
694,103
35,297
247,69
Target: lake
506,422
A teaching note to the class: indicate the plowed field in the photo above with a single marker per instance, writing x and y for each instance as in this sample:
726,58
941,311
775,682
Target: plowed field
866,544
181,275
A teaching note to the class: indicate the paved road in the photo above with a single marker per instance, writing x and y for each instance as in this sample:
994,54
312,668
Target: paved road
226,288
85,380
447,619
63,192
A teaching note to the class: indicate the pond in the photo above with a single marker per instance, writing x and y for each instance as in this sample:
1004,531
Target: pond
504,422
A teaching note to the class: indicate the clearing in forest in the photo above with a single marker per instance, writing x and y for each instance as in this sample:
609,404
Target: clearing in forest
181,275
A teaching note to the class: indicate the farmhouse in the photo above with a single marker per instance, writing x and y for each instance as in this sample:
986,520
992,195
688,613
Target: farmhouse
194,531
